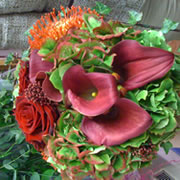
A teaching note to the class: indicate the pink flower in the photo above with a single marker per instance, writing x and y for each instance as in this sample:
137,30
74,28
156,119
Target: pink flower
91,94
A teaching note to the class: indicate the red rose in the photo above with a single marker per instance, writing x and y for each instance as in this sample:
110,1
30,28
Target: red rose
35,120
23,76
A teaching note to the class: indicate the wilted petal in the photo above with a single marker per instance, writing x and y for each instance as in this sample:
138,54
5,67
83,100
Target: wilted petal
36,65
79,87
139,65
49,90
125,120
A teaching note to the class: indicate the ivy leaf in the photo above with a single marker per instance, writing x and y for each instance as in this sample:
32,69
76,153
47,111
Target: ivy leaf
102,8
169,25
9,58
134,17
166,146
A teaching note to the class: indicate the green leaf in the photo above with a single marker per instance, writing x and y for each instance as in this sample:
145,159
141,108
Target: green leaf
47,47
169,25
67,152
163,123
9,58
166,146
35,176
15,175
165,85
118,164
101,167
134,17
153,38
105,158
91,21
7,165
25,55
102,8
137,141
63,68
108,60
130,95
56,80
178,50
142,95
157,117
98,149
47,174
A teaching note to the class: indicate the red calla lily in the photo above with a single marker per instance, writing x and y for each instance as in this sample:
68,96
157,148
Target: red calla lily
80,86
138,65
49,90
124,121
36,65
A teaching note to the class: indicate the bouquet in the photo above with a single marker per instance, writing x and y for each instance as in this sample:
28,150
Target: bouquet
96,98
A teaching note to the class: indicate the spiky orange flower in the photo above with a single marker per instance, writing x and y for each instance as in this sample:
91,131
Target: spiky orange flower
54,27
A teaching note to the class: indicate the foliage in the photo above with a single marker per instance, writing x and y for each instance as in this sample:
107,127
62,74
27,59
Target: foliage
102,8
134,17
169,25
18,160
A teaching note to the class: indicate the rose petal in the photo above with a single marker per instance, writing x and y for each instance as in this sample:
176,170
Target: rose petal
139,65
79,87
37,65
126,120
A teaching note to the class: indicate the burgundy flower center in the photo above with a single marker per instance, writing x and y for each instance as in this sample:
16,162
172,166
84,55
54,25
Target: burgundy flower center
144,150
34,93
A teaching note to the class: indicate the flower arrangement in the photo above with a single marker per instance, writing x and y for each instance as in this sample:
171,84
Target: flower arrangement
96,98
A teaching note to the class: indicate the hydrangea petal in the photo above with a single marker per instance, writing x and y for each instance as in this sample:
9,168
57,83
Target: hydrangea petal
139,65
124,121
79,87
36,65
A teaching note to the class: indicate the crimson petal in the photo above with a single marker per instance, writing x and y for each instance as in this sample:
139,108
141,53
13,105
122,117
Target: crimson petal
36,65
125,120
49,90
79,86
139,65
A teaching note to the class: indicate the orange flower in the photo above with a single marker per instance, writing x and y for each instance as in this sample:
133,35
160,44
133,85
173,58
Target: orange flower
54,27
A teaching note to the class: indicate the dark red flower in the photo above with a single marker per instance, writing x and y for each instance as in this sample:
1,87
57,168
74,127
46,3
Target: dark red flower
138,65
89,93
36,65
48,89
35,120
23,76
124,121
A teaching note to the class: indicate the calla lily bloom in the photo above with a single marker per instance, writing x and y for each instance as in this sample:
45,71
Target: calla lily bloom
91,94
124,121
51,93
36,65
138,65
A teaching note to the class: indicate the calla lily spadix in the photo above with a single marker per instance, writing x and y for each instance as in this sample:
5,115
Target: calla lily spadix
124,121
138,65
91,94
